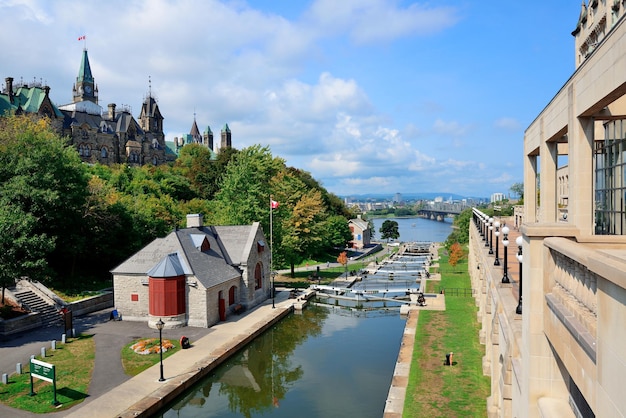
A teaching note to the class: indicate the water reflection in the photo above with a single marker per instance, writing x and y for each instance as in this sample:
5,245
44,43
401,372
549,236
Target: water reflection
325,362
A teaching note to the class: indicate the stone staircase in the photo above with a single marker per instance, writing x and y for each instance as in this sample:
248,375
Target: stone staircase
47,311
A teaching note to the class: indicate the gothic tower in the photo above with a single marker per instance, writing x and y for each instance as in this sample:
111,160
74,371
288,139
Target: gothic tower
85,87
226,138
150,118
208,138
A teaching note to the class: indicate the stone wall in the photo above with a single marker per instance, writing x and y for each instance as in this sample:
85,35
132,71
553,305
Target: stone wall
92,304
20,324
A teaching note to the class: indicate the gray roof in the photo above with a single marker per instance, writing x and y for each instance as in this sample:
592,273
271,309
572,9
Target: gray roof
229,247
361,223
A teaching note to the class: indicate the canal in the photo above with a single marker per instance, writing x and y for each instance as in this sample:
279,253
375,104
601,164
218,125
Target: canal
325,362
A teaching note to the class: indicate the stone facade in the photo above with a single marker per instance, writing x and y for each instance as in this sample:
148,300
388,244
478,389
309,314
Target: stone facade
361,234
224,269
565,354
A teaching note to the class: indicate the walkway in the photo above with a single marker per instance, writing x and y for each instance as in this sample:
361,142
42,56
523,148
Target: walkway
114,394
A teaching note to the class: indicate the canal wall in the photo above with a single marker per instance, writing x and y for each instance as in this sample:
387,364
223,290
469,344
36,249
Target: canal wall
144,395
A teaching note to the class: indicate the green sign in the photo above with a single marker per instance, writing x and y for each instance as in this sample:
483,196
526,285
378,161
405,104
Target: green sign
44,371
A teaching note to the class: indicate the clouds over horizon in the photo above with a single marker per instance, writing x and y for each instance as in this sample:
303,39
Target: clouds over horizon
303,85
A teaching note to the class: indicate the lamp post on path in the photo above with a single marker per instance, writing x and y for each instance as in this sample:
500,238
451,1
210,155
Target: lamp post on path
490,236
505,244
497,225
159,326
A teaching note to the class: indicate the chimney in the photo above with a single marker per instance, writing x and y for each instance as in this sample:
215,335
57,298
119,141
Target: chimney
194,220
111,111
9,82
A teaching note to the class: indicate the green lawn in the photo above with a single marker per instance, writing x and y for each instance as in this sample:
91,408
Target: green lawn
73,362
435,390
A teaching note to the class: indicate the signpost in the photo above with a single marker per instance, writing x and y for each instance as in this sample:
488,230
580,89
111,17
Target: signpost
44,371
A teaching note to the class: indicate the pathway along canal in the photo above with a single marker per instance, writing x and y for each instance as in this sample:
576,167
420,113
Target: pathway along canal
326,362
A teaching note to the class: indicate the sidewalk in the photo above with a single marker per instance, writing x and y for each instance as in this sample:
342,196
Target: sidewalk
114,394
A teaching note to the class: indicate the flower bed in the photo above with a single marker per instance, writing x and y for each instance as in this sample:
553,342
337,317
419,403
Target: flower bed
150,346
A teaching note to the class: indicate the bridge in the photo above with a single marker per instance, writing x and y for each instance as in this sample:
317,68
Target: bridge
439,210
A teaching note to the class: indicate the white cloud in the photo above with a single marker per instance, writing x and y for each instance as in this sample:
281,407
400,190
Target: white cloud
508,124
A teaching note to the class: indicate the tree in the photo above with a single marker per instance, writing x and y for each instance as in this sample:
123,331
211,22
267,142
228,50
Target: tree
43,177
337,232
22,250
456,254
343,260
389,230
518,189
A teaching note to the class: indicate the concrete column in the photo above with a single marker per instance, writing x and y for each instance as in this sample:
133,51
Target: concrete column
580,138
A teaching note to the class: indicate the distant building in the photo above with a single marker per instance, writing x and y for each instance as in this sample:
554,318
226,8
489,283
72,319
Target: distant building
206,138
110,137
196,276
497,197
361,234
397,198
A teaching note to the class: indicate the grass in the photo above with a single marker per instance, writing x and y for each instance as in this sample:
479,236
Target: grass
435,390
73,362
135,363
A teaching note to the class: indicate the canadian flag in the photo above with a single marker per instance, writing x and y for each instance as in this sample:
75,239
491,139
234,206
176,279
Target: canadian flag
82,38
273,204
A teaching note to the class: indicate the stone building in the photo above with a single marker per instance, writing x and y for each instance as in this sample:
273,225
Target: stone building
205,138
361,234
113,136
196,276
565,354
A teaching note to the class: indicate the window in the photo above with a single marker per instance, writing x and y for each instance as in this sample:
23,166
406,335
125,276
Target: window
610,184
258,277
104,153
232,292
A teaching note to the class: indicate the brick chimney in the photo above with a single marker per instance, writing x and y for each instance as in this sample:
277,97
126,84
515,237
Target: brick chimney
9,83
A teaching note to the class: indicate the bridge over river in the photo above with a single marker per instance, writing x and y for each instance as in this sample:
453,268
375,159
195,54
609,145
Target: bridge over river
439,210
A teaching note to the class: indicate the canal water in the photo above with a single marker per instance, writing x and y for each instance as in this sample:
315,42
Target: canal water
325,362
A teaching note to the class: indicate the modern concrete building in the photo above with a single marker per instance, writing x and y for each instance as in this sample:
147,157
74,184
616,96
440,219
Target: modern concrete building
565,354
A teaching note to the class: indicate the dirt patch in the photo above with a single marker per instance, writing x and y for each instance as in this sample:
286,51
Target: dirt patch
9,310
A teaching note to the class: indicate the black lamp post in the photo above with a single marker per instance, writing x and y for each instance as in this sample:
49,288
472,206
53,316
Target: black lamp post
486,221
273,277
159,326
490,236
518,241
497,225
505,244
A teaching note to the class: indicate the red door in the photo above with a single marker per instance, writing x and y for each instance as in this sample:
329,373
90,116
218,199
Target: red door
222,308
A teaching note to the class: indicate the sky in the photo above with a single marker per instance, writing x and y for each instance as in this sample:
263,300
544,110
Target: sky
369,96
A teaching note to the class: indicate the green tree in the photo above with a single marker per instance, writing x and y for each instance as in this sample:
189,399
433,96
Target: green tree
518,189
43,177
304,229
244,194
389,230
337,232
22,250
456,254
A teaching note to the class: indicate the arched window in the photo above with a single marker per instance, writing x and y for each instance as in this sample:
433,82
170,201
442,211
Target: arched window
81,150
104,153
258,277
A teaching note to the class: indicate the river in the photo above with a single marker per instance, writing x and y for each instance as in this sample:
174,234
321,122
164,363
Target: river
325,362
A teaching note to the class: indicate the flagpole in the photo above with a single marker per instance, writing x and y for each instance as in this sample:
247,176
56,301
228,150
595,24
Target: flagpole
272,252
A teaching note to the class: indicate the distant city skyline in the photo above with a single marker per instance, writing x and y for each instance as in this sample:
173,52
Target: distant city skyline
384,95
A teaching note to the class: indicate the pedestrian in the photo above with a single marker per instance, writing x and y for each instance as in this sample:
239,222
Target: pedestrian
327,264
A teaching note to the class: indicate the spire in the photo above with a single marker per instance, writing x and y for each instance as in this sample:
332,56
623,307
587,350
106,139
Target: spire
84,72
225,128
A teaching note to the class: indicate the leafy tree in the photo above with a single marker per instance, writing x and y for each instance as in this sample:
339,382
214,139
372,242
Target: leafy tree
372,228
44,178
389,230
456,254
22,250
460,229
303,229
518,189
337,232
343,260
244,194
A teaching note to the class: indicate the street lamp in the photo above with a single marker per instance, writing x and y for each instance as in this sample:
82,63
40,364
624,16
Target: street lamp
486,231
497,225
159,326
490,235
273,277
518,241
505,244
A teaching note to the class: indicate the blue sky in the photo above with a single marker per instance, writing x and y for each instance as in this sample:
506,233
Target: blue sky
370,96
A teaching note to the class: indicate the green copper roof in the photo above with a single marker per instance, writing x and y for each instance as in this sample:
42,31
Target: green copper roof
84,72
225,128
